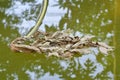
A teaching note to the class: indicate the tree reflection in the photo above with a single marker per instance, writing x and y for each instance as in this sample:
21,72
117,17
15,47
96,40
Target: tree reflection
88,16
83,68
7,33
10,28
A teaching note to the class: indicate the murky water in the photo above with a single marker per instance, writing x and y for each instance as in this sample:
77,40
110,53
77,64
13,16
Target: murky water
96,17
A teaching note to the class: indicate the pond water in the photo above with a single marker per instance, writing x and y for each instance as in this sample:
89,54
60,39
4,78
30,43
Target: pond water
96,17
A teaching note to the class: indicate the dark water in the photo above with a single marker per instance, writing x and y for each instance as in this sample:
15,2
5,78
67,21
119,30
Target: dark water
96,17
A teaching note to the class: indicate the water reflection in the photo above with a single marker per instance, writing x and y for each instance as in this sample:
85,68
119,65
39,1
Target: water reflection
22,14
88,16
83,16
84,67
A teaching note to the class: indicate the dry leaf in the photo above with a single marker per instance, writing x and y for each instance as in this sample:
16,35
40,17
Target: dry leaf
83,51
104,45
87,37
103,50
60,44
53,54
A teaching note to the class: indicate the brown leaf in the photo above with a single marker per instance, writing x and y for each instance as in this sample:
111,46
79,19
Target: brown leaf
83,50
87,37
104,45
103,50
53,54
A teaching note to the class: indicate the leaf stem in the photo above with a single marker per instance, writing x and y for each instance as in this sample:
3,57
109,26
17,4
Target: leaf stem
41,16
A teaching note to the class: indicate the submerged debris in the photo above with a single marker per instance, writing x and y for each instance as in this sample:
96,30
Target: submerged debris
60,44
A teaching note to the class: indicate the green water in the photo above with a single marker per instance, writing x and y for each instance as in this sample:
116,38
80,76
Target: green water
96,17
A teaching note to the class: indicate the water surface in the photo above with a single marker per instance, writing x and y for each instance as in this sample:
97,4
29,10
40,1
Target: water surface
96,17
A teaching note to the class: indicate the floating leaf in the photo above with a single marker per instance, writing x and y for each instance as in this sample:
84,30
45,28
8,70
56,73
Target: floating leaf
103,50
87,37
53,54
82,51
60,44
104,45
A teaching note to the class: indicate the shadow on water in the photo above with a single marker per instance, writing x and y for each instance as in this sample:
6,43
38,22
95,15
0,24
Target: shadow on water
83,16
